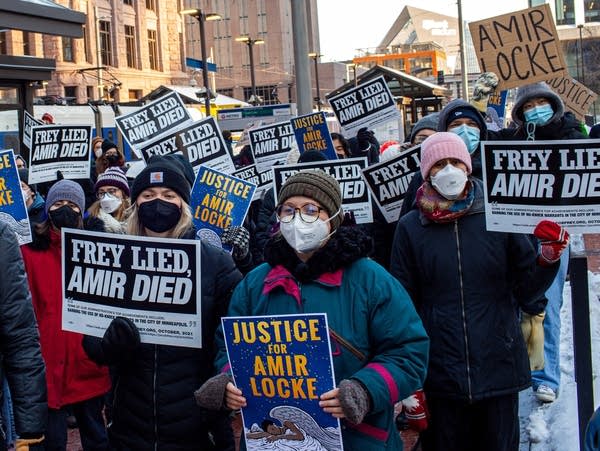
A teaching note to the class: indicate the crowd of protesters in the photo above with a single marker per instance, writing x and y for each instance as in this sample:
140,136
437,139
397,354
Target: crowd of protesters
432,306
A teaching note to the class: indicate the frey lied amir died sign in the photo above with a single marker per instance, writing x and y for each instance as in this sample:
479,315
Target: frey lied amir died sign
521,47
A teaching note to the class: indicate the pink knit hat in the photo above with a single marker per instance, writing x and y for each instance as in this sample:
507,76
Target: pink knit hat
443,145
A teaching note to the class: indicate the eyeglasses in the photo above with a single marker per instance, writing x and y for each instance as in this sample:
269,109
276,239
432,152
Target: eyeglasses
308,212
111,191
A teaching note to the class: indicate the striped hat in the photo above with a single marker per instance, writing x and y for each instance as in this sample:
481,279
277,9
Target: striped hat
113,176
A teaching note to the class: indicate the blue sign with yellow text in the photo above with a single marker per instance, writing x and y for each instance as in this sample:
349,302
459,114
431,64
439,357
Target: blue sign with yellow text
312,134
13,210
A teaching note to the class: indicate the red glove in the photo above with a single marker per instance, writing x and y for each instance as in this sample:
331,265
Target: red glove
553,239
415,409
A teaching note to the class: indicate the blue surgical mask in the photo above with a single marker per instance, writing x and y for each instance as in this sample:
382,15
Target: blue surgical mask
469,135
539,115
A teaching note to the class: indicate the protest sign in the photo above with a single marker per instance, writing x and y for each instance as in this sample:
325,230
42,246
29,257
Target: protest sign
527,181
13,210
218,201
367,105
155,282
389,180
153,120
521,47
64,148
262,180
497,101
282,364
201,142
576,97
347,171
312,134
28,122
271,144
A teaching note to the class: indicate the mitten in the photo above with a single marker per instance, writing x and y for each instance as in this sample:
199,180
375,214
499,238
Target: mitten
484,86
30,444
415,410
211,395
553,241
239,239
354,400
363,138
532,327
120,339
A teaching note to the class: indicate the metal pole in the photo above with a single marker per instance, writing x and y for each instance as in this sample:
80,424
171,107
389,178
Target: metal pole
581,53
250,43
582,352
317,83
201,18
98,55
463,54
301,63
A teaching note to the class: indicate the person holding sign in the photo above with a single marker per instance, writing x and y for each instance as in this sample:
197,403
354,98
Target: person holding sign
34,201
111,156
468,285
73,380
153,400
315,265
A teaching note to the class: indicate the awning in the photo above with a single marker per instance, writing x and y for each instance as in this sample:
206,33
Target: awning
41,16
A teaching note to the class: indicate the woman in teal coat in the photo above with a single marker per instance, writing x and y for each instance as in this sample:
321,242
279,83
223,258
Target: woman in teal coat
313,265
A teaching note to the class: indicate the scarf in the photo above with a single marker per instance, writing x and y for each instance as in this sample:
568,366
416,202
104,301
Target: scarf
437,208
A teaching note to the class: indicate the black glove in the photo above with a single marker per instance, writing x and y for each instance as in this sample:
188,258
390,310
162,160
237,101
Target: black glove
121,339
239,239
59,176
349,219
363,138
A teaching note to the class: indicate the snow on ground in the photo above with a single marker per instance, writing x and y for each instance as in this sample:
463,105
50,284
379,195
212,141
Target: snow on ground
554,426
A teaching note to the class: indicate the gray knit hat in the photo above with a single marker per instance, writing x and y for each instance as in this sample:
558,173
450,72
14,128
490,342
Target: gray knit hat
66,190
318,186
528,92
428,122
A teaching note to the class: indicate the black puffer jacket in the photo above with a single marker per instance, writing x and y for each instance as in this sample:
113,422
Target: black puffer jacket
20,342
467,285
154,407
564,127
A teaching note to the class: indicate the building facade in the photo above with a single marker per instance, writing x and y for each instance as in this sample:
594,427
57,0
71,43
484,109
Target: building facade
129,47
266,20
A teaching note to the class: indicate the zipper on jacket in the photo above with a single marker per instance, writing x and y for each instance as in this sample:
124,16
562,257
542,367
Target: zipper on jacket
154,397
462,308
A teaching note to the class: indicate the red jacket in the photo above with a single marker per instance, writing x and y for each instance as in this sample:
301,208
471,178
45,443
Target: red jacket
70,375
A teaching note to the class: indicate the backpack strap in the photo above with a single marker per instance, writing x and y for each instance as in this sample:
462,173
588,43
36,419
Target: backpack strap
346,344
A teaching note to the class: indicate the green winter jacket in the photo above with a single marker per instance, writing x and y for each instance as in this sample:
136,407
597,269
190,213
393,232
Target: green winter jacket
364,304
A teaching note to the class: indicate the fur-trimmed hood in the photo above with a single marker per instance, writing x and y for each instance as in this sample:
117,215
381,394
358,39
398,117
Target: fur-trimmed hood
346,246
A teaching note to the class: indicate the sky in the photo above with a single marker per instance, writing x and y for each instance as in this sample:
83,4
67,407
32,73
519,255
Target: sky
345,25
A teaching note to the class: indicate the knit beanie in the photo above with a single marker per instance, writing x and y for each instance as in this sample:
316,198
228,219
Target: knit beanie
161,172
457,109
113,176
66,190
311,155
528,92
107,145
429,122
440,146
319,186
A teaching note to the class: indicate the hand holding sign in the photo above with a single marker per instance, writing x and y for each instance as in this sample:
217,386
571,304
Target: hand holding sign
120,340
484,86
554,240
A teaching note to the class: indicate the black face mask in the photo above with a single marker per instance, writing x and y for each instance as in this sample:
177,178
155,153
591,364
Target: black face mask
65,216
158,215
112,159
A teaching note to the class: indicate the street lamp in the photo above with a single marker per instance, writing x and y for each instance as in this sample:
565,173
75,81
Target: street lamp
202,17
250,43
315,56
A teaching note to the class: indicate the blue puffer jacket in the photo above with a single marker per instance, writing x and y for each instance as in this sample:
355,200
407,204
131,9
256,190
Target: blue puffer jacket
364,304
468,285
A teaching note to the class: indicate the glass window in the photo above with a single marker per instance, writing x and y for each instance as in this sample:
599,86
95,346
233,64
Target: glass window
130,47
67,49
86,44
128,2
151,5
26,43
152,49
592,10
565,12
533,3
105,44
3,47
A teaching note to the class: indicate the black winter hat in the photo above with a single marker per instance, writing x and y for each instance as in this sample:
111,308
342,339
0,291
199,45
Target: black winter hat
319,186
312,155
107,145
161,172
